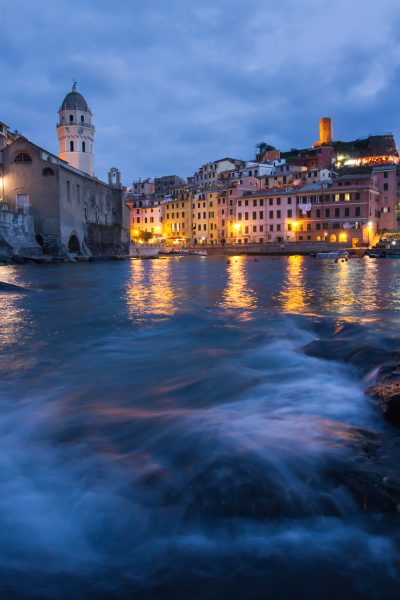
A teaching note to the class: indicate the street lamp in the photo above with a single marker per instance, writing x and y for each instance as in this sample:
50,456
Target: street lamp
236,227
370,225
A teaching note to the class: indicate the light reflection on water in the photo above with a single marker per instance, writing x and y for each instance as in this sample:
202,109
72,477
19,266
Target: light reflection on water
294,296
238,293
150,290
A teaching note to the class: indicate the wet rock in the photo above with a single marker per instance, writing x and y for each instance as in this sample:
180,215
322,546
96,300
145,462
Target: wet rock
388,394
373,491
18,260
10,288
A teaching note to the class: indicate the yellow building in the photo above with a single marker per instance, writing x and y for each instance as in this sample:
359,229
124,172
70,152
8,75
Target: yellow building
176,218
205,217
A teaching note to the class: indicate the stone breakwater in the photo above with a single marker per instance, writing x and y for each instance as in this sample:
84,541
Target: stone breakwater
47,260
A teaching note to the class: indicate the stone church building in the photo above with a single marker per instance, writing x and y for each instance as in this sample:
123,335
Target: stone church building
54,204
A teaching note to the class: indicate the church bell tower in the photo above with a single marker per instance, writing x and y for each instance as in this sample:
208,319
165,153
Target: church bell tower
76,132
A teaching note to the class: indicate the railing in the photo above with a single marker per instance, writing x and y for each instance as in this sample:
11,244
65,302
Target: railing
13,208
75,124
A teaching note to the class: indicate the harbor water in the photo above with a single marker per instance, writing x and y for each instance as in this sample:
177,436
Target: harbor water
197,427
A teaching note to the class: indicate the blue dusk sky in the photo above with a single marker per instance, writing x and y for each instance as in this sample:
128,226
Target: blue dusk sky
176,83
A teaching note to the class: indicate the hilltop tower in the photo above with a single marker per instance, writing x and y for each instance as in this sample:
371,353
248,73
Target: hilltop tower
325,131
76,132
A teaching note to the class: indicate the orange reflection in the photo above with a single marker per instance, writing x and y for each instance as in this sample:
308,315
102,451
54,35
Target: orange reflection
150,290
237,294
12,316
293,296
371,287
344,297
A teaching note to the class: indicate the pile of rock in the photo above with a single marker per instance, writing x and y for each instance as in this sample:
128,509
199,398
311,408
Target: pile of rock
387,390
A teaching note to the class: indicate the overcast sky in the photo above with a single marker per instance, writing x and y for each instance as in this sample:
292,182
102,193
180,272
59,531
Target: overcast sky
176,83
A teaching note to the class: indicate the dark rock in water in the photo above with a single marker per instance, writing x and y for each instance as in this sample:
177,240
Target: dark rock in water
9,287
4,258
388,394
18,260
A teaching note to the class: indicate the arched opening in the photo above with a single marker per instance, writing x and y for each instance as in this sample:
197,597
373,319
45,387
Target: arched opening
71,146
333,238
39,239
73,245
82,119
22,157
47,172
83,146
71,118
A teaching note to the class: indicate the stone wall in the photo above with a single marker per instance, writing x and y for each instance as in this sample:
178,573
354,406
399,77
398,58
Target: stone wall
285,248
105,239
17,234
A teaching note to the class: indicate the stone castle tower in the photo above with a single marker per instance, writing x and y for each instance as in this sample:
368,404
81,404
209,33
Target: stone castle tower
76,132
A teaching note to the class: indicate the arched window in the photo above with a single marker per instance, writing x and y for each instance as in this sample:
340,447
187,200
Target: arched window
71,146
86,212
47,172
71,118
82,119
22,157
83,146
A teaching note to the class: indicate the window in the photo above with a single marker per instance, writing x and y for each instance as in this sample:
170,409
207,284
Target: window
71,146
327,212
271,214
278,214
86,212
357,211
337,212
22,157
22,200
83,146
318,212
347,212
82,119
347,197
254,215
71,118
246,216
47,172
385,187
261,214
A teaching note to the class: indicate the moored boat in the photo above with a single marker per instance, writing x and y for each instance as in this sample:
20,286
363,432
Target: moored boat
334,254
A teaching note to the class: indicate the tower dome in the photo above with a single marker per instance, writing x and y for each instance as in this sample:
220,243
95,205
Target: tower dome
74,101
76,132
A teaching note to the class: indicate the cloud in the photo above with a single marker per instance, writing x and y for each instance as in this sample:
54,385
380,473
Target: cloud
175,84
